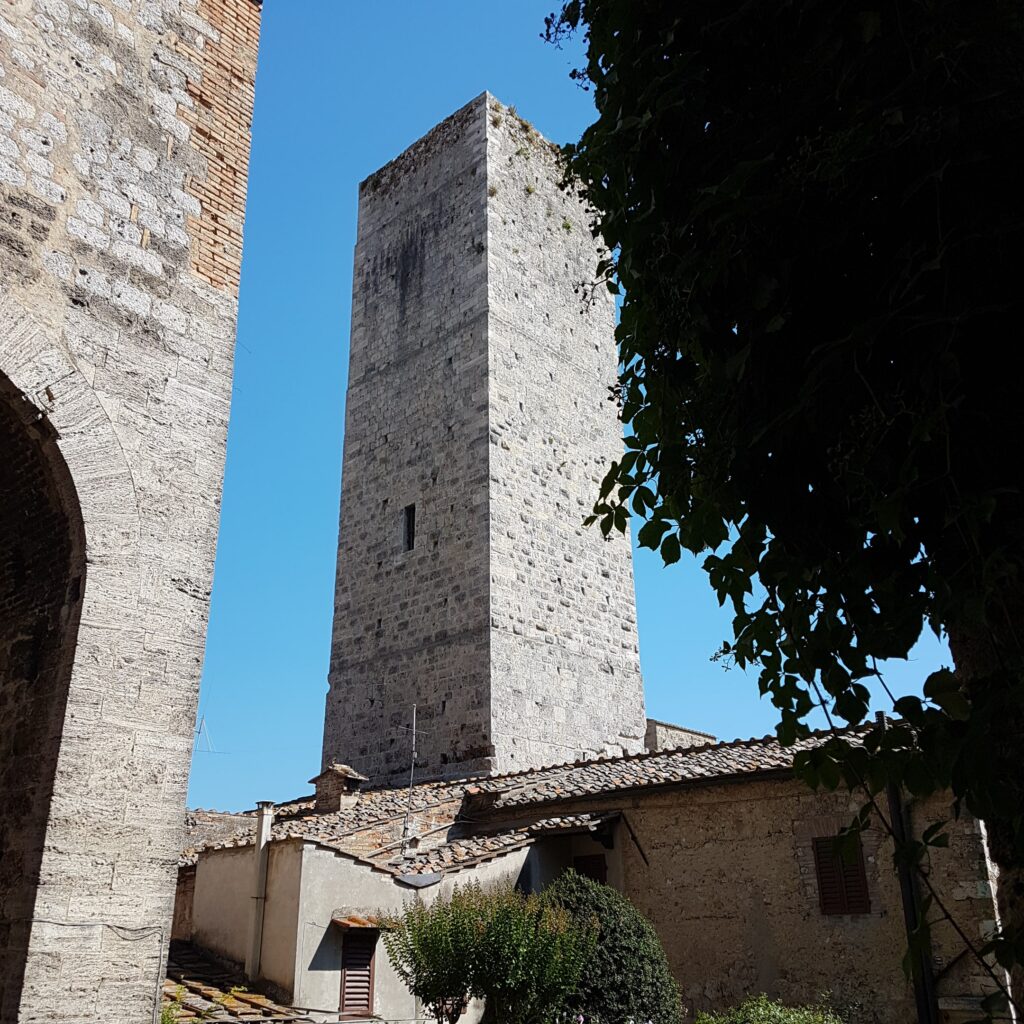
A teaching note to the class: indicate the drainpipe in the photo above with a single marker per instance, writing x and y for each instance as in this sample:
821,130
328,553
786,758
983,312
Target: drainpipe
264,821
924,980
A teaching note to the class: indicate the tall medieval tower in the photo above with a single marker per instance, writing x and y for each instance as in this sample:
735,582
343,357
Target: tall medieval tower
477,432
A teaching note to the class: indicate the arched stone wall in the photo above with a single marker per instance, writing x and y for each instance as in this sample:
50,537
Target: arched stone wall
124,142
67,500
42,575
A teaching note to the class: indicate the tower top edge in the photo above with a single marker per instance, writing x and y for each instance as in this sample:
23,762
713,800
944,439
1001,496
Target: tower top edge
435,139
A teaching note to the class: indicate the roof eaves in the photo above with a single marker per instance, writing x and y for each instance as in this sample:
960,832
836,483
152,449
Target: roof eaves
660,785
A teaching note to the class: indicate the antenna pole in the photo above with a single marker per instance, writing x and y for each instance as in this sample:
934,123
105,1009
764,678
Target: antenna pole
412,772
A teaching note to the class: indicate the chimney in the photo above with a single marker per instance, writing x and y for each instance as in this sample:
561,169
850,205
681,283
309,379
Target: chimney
264,822
337,787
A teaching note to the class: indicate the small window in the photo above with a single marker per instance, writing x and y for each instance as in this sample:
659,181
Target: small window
591,866
842,882
409,527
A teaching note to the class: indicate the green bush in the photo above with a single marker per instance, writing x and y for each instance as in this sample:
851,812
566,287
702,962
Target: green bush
761,1010
521,954
529,959
627,978
433,949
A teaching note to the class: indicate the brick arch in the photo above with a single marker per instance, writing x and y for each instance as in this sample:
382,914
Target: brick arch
67,511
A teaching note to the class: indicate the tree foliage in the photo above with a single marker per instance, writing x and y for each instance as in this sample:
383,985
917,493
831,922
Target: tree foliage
530,957
520,953
432,949
815,218
762,1010
628,977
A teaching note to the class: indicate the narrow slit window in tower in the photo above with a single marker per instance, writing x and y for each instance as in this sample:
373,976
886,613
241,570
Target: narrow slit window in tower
409,527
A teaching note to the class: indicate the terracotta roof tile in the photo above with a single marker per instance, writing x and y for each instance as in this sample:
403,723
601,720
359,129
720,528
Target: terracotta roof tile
197,987
637,771
371,830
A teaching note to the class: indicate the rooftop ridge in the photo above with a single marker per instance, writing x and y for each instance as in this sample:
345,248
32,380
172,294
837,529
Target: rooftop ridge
684,728
668,751
214,810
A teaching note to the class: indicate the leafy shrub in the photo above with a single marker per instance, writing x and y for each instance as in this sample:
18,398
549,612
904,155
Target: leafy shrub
521,954
761,1010
628,977
433,949
530,957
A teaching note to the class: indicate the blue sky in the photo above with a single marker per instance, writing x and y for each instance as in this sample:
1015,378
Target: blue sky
341,90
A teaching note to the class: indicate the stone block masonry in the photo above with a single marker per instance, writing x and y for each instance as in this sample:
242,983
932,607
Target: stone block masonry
124,145
478,414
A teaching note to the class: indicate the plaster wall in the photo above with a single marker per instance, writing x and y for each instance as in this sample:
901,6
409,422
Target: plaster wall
222,901
184,901
550,857
330,883
124,143
333,883
281,914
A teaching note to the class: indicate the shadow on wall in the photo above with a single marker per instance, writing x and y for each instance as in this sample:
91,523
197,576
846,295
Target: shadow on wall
42,577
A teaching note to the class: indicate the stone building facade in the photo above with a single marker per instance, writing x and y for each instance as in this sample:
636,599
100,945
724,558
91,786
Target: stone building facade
124,144
477,432
718,845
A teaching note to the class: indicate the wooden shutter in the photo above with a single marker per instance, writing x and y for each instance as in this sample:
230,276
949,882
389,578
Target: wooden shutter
357,971
591,866
842,883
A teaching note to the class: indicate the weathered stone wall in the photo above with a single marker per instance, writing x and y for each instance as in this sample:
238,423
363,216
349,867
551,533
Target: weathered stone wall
42,570
729,883
565,661
477,391
664,736
203,826
411,626
124,138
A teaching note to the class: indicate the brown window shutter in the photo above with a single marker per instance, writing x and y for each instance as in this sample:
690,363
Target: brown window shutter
842,883
357,962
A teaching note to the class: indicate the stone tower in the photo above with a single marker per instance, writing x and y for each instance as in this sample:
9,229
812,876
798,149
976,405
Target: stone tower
124,148
477,431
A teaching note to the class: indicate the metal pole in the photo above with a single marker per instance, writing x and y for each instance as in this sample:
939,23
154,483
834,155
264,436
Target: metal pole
924,979
264,823
412,772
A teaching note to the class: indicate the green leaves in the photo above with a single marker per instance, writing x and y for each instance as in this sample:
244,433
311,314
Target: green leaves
762,1010
627,977
651,533
670,550
433,947
943,689
521,953
815,244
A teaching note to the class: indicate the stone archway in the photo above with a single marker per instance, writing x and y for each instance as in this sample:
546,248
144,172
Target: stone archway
42,577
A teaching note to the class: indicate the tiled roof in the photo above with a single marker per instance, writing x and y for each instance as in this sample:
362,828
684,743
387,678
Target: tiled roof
198,987
639,771
371,831
456,854
375,821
